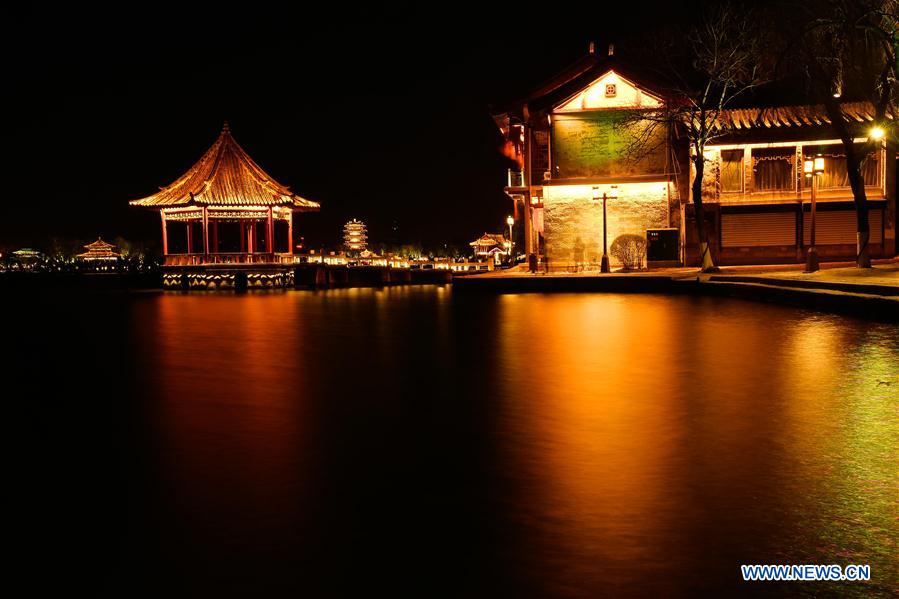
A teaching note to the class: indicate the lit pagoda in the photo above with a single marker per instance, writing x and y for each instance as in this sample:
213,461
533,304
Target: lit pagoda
355,238
99,251
235,208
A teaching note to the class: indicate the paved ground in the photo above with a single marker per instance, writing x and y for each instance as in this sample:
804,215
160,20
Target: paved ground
883,273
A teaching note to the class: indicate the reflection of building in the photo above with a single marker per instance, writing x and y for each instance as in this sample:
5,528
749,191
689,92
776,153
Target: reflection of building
224,214
494,247
354,236
571,141
99,252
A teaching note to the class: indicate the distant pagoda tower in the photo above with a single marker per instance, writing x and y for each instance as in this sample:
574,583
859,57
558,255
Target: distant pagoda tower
99,251
354,236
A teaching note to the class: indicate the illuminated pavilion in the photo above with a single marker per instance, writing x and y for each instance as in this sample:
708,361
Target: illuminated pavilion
99,251
226,216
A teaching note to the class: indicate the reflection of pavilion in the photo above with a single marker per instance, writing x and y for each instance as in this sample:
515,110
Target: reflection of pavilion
223,215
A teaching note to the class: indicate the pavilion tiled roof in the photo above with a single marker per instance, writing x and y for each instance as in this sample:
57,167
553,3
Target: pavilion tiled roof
791,116
225,176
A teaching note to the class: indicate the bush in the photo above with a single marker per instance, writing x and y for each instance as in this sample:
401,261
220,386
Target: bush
630,250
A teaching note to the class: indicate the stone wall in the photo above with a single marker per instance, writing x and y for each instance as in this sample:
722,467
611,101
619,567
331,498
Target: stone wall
572,220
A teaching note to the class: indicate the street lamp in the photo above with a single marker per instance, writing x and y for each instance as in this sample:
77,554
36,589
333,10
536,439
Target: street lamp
613,195
510,221
813,168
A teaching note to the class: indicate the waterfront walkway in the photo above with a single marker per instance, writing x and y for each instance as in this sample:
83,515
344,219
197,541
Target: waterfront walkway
837,287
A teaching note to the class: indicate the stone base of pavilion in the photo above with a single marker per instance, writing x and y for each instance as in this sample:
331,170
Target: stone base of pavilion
234,276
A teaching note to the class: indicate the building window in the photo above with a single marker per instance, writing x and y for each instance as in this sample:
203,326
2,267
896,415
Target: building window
773,169
611,90
836,173
731,171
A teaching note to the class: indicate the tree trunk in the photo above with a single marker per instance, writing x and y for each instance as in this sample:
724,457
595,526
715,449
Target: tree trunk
706,263
863,230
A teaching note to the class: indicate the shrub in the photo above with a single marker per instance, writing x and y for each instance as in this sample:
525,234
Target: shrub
630,250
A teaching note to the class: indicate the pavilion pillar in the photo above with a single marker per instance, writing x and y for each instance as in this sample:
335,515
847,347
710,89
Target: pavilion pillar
165,235
251,237
190,236
290,232
269,233
205,234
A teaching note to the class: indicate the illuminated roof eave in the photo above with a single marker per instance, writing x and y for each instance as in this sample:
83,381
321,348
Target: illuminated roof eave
225,176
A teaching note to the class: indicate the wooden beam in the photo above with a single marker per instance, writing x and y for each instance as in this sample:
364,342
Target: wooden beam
290,232
205,233
165,235
269,233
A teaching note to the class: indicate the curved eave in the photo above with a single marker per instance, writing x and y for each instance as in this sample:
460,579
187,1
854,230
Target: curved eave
150,203
296,203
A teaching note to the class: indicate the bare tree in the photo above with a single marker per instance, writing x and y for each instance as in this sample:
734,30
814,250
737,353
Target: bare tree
850,50
708,67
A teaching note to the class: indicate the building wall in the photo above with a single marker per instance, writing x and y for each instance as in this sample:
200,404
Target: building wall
572,220
882,198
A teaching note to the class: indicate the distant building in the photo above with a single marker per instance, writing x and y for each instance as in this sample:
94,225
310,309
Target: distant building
26,259
355,238
99,252
494,247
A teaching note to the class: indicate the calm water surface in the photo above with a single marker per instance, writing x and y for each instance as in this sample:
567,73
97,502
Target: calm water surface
422,442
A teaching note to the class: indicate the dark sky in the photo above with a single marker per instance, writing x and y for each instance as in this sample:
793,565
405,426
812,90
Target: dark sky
377,114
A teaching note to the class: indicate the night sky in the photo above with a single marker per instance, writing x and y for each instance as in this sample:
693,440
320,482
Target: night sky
381,115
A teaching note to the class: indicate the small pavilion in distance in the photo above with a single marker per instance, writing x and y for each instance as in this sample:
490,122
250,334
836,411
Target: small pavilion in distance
226,222
99,255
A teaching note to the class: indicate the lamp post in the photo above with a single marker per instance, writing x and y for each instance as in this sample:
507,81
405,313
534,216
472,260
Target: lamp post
813,168
510,221
613,195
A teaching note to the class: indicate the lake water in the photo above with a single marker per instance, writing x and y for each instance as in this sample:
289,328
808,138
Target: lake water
417,441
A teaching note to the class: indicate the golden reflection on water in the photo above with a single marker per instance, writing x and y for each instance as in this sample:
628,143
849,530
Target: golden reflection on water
631,434
642,418
230,405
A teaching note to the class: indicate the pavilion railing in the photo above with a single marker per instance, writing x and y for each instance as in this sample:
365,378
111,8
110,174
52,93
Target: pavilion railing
222,258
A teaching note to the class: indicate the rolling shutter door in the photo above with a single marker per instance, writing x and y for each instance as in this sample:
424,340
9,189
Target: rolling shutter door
767,228
838,227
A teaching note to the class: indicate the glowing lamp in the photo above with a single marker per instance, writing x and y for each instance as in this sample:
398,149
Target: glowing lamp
876,133
510,221
813,166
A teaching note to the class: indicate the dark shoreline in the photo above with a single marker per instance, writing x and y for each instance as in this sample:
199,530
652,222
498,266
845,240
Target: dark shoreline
864,301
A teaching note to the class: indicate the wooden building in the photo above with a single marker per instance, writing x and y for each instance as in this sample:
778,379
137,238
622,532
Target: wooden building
757,199
226,216
491,247
571,140
98,253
